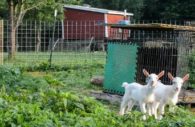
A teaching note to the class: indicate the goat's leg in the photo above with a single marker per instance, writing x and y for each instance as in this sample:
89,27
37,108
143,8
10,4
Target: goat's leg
161,110
154,109
124,103
131,103
143,109
149,109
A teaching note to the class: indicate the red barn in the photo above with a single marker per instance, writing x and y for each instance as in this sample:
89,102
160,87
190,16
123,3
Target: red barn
85,22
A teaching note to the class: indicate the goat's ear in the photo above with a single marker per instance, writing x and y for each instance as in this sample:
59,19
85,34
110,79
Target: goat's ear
161,74
170,76
186,77
146,73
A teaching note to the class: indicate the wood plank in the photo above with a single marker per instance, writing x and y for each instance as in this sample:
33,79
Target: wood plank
153,26
187,96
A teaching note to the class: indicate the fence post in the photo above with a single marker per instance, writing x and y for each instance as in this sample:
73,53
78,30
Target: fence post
1,42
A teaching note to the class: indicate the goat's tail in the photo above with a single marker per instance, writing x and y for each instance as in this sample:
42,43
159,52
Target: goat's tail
125,84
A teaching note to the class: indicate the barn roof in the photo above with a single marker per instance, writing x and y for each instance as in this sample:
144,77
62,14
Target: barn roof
99,10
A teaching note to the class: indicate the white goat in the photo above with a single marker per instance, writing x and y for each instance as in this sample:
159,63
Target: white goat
143,94
167,94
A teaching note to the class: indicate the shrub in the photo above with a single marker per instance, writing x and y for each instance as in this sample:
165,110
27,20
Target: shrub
9,75
192,70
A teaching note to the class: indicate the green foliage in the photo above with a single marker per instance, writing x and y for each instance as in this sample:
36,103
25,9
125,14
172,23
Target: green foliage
3,10
169,9
9,75
151,9
44,66
192,70
46,12
32,101
133,6
23,114
144,9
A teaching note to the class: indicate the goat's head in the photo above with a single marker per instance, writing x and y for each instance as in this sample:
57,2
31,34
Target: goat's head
152,79
177,81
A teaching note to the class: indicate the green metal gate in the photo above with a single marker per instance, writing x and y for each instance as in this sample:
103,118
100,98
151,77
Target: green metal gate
120,66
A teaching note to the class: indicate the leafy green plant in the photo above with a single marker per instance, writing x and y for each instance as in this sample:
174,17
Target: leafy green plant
61,98
52,81
22,114
9,75
192,70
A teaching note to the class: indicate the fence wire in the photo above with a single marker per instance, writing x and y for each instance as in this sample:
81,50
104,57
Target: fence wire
72,41
81,42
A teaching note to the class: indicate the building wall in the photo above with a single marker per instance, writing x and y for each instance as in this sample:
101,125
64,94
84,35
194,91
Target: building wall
83,25
86,25
116,34
114,18
72,14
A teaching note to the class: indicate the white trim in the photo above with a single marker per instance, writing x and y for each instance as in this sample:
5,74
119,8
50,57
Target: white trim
105,11
106,26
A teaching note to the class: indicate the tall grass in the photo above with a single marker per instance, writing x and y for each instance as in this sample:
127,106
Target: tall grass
58,58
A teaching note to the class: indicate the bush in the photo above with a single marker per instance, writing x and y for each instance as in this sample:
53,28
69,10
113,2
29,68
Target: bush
192,70
9,75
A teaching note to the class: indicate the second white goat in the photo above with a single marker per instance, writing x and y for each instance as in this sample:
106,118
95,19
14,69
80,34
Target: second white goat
167,94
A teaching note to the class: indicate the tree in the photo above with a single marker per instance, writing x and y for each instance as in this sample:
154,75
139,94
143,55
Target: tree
46,13
169,9
3,9
134,6
17,10
151,9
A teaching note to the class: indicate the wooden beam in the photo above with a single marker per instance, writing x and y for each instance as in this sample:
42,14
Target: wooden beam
153,26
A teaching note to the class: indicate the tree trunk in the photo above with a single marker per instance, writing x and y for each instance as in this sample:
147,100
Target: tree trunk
12,35
12,52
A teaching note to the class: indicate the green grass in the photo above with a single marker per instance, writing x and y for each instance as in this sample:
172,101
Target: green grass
58,58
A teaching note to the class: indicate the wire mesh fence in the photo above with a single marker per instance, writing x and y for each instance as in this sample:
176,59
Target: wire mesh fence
81,42
71,41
